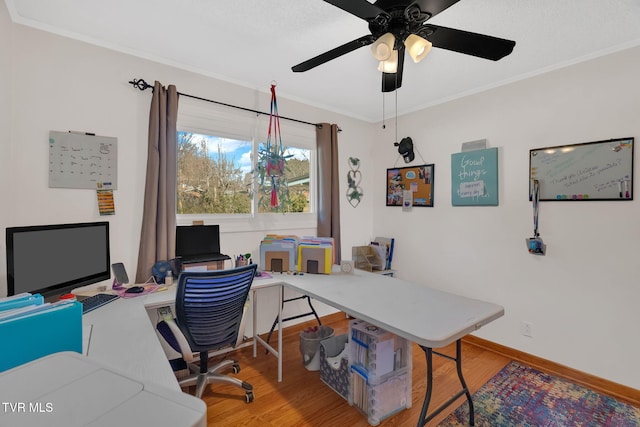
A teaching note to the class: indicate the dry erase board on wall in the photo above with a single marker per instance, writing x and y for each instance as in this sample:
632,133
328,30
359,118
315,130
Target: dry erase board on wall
79,160
601,170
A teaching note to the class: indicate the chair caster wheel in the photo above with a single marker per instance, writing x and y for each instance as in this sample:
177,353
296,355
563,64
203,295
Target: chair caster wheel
236,368
249,396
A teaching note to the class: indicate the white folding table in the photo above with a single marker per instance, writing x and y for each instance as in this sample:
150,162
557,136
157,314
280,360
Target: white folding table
426,316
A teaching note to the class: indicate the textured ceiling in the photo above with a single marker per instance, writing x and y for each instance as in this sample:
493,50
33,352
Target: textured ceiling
254,42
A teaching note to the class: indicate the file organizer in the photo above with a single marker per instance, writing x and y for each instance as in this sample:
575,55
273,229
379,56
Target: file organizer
43,331
380,371
278,253
314,259
315,255
365,258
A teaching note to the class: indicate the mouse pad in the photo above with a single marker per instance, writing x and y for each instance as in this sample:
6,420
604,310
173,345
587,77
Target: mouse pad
148,288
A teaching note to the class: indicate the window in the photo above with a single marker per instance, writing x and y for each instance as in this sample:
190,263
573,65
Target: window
214,174
217,146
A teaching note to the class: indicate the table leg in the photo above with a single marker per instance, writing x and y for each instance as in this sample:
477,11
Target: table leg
462,382
424,419
255,322
280,299
427,398
257,339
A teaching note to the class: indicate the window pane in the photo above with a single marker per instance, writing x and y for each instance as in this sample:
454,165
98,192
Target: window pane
214,175
295,187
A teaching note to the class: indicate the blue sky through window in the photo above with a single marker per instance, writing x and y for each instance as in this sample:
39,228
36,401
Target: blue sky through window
237,151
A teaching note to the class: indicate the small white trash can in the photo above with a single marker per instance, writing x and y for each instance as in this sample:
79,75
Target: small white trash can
310,345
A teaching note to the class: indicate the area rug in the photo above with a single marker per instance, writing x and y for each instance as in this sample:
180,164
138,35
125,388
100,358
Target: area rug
520,396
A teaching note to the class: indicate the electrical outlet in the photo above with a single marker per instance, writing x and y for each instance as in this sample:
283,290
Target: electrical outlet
526,329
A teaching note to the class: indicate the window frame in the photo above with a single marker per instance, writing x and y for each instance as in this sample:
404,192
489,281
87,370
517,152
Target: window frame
210,119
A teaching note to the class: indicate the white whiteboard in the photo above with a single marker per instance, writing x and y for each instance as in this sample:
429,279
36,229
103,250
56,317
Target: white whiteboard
601,170
79,160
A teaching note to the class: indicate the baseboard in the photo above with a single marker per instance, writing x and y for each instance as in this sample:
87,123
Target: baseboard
621,392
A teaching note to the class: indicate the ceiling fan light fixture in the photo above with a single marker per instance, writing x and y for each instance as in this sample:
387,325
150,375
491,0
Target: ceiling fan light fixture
389,66
417,47
382,48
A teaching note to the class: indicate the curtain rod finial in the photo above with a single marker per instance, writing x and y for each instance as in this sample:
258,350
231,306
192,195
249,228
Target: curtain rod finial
140,84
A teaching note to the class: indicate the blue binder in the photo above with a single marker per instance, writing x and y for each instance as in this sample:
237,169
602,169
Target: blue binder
46,330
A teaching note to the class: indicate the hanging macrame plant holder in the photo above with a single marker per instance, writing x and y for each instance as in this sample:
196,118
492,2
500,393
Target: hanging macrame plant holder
271,158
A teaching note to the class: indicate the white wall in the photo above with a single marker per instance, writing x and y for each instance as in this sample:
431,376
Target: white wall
583,297
5,120
63,84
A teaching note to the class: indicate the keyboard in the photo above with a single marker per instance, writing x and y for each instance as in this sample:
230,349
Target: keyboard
97,300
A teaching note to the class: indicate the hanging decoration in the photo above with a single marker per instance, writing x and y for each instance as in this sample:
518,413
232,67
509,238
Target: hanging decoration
535,245
271,164
354,176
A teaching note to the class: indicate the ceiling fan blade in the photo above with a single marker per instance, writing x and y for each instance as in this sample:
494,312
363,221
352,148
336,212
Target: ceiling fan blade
393,81
333,53
474,44
434,7
360,8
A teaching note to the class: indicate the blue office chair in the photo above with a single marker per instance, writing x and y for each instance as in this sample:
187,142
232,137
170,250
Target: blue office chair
209,309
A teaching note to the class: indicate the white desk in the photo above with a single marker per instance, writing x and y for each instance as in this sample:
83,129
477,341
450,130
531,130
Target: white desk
123,336
428,317
68,390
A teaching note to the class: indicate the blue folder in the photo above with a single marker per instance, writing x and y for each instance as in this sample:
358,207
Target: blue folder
21,301
46,330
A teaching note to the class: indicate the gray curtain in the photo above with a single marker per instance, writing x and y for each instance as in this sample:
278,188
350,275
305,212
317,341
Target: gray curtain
158,234
328,185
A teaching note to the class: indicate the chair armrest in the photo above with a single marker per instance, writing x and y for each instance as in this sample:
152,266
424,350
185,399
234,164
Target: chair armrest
185,349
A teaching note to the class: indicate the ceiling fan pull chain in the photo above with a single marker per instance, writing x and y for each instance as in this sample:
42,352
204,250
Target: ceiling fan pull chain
384,126
396,92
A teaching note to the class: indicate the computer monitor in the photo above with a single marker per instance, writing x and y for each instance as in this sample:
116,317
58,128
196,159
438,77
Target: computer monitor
196,243
55,259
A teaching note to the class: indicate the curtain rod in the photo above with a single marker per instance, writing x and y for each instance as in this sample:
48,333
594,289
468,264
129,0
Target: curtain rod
142,85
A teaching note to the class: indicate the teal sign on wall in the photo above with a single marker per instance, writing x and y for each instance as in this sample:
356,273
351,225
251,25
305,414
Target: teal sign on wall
474,178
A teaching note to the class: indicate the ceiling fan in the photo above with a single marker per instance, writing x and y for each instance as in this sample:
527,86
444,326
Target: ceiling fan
399,24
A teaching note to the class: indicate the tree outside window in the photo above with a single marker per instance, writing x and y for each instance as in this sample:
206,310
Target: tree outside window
215,177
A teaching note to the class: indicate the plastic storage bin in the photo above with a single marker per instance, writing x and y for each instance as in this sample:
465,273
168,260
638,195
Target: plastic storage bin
334,364
375,351
380,363
381,397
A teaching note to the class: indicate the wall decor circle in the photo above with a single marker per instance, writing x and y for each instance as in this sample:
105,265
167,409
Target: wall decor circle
354,176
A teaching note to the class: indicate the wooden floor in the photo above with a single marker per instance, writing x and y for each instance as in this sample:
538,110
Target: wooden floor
302,399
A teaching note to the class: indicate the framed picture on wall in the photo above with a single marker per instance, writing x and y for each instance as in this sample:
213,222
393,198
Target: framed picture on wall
414,180
474,178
